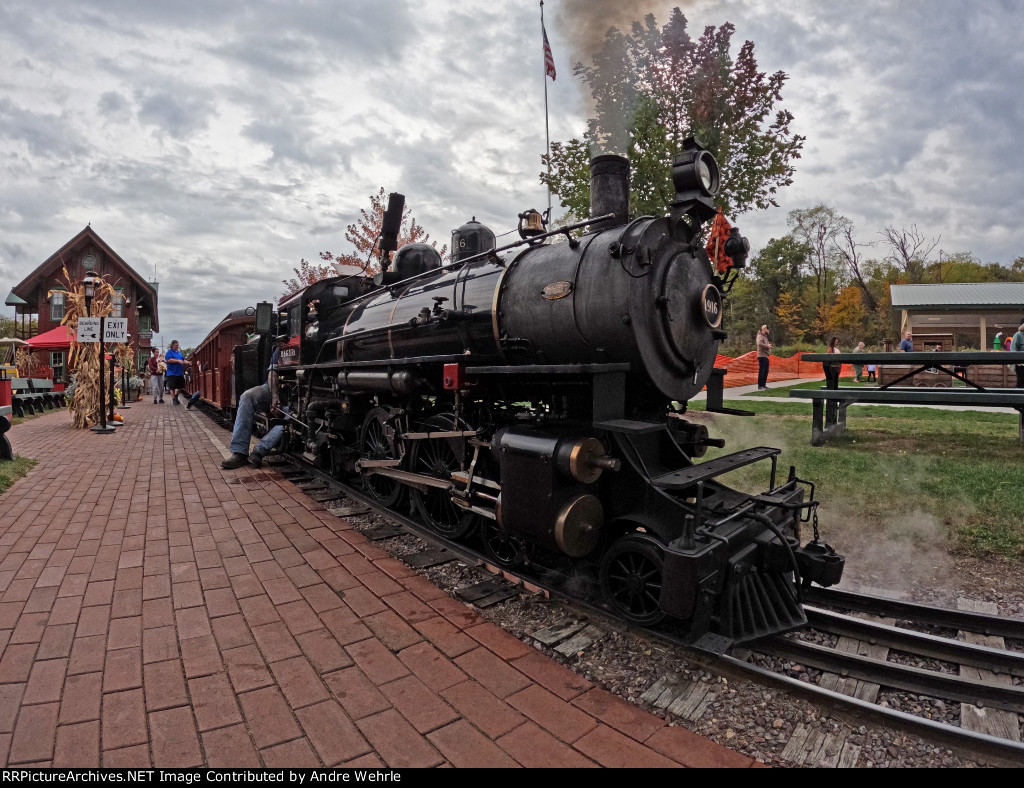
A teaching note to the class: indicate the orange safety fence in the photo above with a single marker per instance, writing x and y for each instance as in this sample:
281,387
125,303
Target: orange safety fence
742,371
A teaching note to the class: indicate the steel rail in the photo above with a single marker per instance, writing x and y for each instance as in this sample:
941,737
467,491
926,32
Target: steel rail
990,658
981,623
932,683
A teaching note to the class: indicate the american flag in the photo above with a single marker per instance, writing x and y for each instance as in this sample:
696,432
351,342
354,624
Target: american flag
549,59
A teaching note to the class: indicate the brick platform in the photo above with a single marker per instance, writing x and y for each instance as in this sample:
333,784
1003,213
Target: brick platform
158,610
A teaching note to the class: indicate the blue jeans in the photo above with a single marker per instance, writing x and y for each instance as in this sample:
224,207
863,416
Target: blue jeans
255,400
762,371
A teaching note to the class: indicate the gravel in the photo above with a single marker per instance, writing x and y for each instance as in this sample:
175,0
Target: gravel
744,716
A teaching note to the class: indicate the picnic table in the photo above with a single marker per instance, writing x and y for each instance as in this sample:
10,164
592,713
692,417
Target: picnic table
830,404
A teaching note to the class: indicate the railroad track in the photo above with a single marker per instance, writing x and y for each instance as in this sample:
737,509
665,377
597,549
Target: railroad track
847,678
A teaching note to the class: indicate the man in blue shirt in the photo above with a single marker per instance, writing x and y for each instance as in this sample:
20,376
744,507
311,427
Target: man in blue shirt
175,370
907,345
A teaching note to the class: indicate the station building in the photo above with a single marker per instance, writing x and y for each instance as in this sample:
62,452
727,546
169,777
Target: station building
961,315
39,305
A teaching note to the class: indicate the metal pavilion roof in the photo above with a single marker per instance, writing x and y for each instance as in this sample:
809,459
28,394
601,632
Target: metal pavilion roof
964,295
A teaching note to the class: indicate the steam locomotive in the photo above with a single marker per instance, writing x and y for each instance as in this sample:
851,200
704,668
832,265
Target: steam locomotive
532,397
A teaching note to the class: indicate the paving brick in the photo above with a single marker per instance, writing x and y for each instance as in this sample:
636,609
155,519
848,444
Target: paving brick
16,663
56,642
34,733
88,654
136,757
156,587
259,610
297,754
693,750
246,668
612,750
499,641
157,613
392,631
231,632
221,602
231,748
93,621
214,702
359,696
332,734
363,601
30,628
159,644
557,678
122,670
299,682
376,661
45,682
164,683
323,651
126,603
40,600
449,640
552,713
77,746
100,593
321,597
275,641
535,748
345,625
125,633
433,668
174,739
65,610
10,699
299,617
488,713
410,607
269,718
466,748
617,713
185,595
192,623
420,706
200,656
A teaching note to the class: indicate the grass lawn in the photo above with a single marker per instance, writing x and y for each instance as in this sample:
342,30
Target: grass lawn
923,477
12,470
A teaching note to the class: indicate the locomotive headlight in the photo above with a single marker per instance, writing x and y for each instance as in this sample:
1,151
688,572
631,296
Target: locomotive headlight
696,171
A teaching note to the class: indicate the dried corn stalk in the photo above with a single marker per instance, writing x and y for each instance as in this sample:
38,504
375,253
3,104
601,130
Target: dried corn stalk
84,358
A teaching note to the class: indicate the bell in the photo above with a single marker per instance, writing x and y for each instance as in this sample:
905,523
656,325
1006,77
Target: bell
533,223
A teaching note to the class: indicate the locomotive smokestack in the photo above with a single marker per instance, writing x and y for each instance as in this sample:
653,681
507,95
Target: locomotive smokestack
609,188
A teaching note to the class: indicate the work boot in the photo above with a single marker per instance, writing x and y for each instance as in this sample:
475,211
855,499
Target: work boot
234,461
256,458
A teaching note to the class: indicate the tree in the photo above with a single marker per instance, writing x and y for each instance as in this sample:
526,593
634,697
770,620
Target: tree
364,235
818,228
789,315
849,252
653,88
909,249
845,317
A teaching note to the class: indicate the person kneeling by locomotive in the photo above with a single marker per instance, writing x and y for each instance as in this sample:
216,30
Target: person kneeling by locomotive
258,399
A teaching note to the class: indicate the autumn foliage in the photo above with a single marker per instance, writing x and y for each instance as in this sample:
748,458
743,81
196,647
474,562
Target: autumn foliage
364,236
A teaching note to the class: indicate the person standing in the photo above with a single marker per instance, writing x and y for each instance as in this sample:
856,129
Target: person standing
907,345
1017,346
832,370
156,375
175,370
764,352
858,369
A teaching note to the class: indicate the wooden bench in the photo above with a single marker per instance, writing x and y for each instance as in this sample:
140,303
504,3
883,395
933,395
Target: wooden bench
829,405
44,386
23,399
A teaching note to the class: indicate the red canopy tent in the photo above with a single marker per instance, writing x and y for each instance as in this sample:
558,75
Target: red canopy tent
58,338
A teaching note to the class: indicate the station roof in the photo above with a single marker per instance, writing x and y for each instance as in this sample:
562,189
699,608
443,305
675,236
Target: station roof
961,296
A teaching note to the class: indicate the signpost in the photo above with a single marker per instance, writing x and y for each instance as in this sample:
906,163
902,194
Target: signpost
93,329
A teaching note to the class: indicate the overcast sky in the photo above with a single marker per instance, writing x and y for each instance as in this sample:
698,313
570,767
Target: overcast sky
214,144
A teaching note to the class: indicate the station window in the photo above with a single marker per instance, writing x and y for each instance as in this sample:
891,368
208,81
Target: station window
145,322
118,302
57,306
57,364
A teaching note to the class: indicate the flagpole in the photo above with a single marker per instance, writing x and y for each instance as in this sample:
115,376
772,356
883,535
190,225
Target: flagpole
547,132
